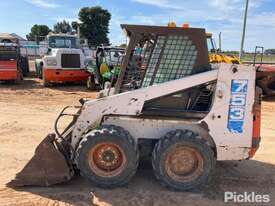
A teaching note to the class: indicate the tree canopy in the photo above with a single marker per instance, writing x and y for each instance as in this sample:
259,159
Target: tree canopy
95,25
62,27
38,33
74,25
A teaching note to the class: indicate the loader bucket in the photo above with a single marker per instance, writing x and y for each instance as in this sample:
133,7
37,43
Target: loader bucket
47,167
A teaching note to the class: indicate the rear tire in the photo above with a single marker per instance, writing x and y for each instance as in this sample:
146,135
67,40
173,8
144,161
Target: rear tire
108,156
46,83
24,65
183,160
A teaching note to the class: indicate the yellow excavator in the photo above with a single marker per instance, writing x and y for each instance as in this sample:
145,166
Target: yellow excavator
216,56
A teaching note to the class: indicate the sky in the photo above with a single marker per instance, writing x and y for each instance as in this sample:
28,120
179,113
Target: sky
226,16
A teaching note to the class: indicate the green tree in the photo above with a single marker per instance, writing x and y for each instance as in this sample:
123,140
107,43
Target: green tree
62,27
38,33
95,25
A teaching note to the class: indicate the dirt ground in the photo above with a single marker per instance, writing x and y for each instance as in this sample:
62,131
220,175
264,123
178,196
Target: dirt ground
27,114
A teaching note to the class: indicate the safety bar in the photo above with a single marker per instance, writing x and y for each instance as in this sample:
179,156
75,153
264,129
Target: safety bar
62,114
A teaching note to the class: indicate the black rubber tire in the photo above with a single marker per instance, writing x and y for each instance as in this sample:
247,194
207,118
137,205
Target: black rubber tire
45,83
115,135
24,65
190,139
39,68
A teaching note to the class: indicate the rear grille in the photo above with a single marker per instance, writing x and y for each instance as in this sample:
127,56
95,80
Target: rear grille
70,61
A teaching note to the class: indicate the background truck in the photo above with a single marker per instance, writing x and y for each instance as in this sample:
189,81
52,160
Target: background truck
64,61
13,66
176,108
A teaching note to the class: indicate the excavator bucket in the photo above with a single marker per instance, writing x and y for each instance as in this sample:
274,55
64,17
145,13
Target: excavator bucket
48,166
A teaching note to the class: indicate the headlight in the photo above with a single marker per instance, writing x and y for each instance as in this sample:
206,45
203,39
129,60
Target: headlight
51,62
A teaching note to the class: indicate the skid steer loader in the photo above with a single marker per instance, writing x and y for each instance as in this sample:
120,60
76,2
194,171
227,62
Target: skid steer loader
176,107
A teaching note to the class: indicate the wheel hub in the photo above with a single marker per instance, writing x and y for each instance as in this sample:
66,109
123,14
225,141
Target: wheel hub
109,156
106,159
183,163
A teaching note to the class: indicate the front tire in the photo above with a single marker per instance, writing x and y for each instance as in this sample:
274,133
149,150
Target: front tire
45,82
183,160
108,156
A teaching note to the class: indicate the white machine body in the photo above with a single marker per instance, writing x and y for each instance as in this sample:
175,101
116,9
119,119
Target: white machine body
53,60
228,126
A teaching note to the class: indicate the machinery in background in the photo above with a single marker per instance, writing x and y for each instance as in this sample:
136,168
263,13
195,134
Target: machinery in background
106,67
174,107
265,74
266,78
65,61
216,56
13,66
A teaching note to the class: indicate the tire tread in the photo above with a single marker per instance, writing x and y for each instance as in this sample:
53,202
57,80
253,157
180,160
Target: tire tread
116,131
174,137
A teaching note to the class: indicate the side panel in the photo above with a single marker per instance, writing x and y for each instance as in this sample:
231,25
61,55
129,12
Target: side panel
8,70
131,103
155,128
256,123
233,102
230,120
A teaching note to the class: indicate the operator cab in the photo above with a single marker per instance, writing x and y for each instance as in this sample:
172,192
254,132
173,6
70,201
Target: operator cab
63,41
156,55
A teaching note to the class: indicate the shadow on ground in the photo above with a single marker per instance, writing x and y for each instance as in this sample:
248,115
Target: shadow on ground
145,190
269,98
35,83
24,84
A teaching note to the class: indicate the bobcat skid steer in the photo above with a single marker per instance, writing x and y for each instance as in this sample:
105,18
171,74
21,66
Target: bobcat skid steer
175,107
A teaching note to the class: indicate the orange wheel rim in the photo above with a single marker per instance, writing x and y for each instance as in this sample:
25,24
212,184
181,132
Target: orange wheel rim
183,163
107,159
